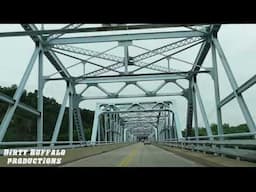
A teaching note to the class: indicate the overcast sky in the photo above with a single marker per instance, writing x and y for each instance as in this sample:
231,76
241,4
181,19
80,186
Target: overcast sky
237,40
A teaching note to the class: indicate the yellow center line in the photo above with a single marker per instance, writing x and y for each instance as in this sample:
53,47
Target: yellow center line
125,162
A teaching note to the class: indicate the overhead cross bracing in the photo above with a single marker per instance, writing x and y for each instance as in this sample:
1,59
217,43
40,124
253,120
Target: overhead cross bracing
127,122
130,54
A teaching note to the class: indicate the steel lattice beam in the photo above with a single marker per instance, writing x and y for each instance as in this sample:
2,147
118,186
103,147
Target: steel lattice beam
239,90
204,49
166,48
80,30
136,60
11,101
127,37
105,56
70,26
133,78
131,96
88,52
146,55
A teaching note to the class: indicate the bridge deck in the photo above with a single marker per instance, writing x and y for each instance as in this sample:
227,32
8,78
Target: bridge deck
136,155
139,155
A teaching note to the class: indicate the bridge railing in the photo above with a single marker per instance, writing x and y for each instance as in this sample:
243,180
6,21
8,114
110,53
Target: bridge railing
49,144
244,149
231,135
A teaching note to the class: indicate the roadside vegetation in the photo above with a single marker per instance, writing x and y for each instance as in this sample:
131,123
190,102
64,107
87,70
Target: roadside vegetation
23,125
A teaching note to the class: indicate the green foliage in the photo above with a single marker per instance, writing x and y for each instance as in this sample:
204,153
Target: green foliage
227,129
23,125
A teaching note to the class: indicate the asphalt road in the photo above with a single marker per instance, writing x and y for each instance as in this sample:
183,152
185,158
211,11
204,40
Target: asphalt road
136,155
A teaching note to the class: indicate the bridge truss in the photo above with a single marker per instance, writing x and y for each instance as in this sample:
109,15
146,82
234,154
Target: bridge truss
129,69
128,122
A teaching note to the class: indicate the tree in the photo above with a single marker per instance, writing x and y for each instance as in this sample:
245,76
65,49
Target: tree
214,128
23,124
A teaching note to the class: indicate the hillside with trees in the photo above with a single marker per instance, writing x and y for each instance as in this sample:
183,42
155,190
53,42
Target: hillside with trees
23,124
227,129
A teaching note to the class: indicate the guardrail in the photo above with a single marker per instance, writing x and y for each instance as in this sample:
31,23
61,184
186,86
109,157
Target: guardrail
240,149
87,143
234,135
57,145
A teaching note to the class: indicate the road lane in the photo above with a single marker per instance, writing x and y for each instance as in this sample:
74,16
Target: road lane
136,155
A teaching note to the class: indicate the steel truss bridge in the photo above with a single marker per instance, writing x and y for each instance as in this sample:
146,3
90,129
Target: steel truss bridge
129,121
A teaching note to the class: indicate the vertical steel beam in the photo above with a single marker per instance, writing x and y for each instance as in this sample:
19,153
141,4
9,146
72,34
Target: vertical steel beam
10,111
158,127
84,69
60,117
165,126
156,136
195,108
121,133
70,114
111,127
118,129
106,127
115,127
126,58
40,100
169,67
177,120
233,83
189,110
216,90
102,128
117,135
169,125
95,124
125,135
162,133
202,109
173,127
98,131
99,128
102,133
